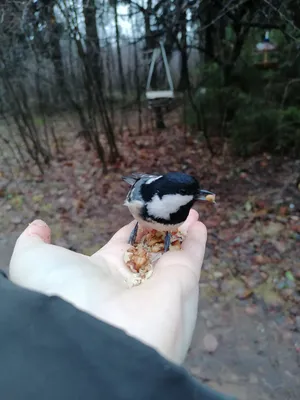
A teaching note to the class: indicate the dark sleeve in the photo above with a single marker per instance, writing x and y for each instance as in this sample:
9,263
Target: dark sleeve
49,350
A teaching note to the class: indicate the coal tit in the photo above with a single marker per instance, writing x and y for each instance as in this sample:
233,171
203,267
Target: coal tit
162,202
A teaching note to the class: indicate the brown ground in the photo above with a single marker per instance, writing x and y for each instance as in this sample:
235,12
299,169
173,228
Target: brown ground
250,285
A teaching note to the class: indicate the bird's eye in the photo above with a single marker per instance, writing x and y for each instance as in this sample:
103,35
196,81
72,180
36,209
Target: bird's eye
182,191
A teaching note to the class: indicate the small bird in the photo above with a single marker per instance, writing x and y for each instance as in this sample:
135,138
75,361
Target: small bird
162,202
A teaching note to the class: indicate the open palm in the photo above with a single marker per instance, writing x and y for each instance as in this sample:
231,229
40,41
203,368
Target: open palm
161,312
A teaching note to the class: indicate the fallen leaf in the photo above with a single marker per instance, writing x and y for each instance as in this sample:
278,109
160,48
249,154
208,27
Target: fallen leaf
261,259
280,246
283,210
260,204
273,229
261,213
37,198
68,163
295,228
289,276
244,294
212,222
218,274
264,163
251,310
248,206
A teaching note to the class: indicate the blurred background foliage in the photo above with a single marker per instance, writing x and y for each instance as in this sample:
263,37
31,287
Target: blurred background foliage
87,63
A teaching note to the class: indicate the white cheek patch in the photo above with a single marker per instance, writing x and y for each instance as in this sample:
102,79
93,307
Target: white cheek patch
152,179
167,205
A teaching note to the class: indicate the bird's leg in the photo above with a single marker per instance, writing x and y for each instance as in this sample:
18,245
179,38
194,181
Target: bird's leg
133,234
167,241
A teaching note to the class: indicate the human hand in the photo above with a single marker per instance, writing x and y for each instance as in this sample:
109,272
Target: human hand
161,312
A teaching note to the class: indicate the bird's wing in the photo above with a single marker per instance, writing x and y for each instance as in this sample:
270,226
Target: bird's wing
134,177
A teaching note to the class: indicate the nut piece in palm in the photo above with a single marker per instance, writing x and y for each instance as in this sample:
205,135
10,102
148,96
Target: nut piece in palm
136,259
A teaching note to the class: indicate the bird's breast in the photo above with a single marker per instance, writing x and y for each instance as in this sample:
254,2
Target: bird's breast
135,207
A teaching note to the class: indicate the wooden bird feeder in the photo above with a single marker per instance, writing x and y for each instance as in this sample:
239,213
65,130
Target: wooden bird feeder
159,98
266,54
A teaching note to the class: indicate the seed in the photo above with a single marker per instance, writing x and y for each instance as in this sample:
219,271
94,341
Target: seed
211,198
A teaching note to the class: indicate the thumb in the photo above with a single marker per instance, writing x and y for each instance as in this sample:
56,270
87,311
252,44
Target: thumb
36,233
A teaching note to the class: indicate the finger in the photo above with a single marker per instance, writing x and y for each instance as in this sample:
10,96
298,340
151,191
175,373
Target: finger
195,242
36,233
192,217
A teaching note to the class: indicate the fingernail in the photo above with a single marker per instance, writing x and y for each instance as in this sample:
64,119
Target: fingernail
38,222
39,228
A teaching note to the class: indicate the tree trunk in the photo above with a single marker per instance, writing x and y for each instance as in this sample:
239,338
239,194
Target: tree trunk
120,63
138,87
94,71
160,124
92,42
209,33
184,82
56,54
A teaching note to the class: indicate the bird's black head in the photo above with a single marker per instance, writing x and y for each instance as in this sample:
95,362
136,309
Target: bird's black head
174,183
177,183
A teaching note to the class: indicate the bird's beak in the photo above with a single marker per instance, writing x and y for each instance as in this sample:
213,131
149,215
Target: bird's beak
206,195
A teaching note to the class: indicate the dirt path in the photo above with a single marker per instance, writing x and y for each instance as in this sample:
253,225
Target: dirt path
254,360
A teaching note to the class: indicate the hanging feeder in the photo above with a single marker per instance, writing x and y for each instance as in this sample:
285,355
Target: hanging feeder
159,98
266,54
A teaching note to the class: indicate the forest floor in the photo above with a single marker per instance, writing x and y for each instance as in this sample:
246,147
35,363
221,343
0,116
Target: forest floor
247,340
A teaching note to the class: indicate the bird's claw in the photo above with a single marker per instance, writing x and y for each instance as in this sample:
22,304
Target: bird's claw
133,234
167,242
